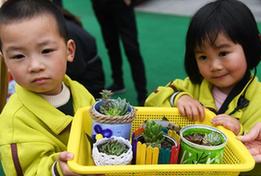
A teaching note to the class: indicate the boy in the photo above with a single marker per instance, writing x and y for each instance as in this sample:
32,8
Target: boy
35,123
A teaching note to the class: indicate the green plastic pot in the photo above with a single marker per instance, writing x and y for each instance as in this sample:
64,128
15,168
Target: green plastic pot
192,153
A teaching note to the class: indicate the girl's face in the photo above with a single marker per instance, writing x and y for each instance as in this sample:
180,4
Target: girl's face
223,64
36,54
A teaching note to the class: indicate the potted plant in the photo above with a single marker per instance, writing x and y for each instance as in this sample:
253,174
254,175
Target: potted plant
202,144
153,144
112,117
112,151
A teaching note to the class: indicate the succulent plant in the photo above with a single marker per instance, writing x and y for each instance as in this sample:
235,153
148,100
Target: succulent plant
113,107
113,147
210,139
106,94
214,138
153,134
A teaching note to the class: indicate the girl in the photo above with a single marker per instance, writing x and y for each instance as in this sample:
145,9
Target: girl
222,47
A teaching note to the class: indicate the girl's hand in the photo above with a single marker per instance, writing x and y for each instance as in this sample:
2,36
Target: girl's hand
191,108
228,122
252,141
63,158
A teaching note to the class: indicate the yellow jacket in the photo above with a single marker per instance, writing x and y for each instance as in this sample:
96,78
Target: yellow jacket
33,132
202,92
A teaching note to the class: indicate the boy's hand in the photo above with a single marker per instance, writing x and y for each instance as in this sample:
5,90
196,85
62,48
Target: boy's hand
228,122
191,108
252,141
63,158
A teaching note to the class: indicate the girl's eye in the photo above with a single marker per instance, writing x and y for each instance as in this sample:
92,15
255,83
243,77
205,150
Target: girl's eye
46,51
223,53
202,58
18,56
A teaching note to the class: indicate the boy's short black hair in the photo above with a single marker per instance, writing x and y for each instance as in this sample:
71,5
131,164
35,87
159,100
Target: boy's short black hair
230,17
17,10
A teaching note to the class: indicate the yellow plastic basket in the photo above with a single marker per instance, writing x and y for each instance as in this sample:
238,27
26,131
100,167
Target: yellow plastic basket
236,157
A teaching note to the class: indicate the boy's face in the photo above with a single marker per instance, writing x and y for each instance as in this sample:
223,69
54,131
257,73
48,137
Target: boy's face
223,64
36,54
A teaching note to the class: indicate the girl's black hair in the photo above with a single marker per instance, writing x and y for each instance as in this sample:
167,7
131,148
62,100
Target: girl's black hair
16,10
230,17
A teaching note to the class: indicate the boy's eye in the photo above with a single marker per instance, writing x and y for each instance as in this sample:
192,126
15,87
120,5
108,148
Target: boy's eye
46,51
18,56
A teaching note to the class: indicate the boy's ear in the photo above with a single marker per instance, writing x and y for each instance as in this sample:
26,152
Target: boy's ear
71,47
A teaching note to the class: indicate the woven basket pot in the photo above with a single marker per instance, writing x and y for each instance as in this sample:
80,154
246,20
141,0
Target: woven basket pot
105,159
111,125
